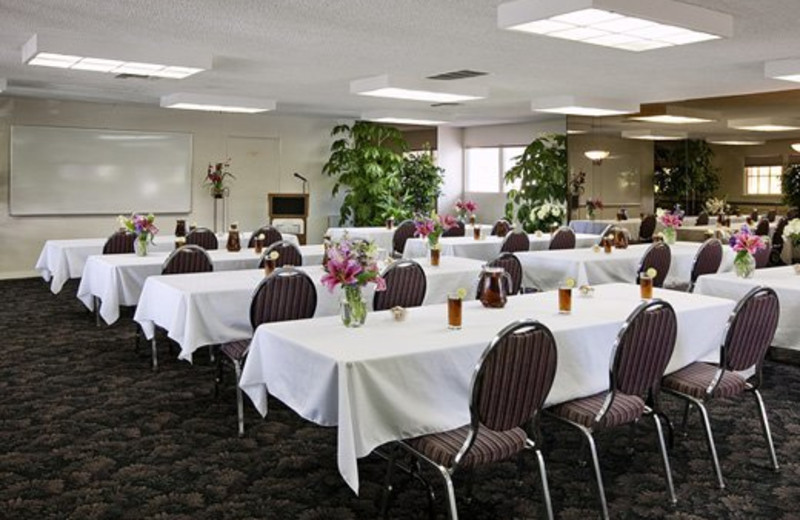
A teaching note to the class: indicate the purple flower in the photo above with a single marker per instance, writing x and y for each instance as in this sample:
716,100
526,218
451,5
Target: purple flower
340,270
424,228
448,221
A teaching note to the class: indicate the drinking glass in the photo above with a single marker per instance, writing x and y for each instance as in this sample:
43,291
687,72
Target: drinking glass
646,287
476,232
564,300
453,311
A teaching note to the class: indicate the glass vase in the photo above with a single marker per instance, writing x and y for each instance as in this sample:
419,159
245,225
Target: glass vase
353,307
744,264
670,235
141,245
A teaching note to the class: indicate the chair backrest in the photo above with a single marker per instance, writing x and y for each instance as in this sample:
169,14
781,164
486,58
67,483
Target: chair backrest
459,230
271,235
512,378
702,219
188,259
622,214
288,254
119,243
513,267
647,228
515,242
401,235
762,255
563,238
707,260
287,294
501,228
777,236
793,213
405,286
750,330
202,237
763,227
754,215
658,256
610,229
772,215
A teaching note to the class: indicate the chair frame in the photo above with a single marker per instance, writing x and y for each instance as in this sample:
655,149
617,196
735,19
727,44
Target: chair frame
402,264
395,252
279,245
694,276
563,230
474,424
503,256
263,229
202,230
641,268
647,218
509,236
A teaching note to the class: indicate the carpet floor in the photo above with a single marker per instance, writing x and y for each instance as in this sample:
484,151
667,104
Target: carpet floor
88,431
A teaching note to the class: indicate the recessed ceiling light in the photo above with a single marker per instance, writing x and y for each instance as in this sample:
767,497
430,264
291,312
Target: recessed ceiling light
403,118
733,141
631,25
583,106
653,135
381,86
764,124
673,115
787,70
186,101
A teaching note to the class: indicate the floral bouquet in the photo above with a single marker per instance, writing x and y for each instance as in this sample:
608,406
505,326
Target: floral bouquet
215,177
142,226
792,231
548,214
745,244
715,206
353,265
576,184
467,206
671,223
431,228
593,205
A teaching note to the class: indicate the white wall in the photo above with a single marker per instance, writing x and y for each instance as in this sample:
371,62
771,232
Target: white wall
301,142
450,156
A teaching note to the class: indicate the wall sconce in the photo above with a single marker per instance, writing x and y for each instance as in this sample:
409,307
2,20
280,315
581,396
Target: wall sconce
597,156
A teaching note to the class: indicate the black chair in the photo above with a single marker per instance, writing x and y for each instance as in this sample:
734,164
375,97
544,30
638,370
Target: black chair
513,267
459,230
762,255
659,257
754,215
702,219
202,237
501,228
405,286
748,335
563,238
402,233
509,386
271,235
516,242
288,254
188,259
647,228
777,242
772,215
287,294
706,261
762,229
119,243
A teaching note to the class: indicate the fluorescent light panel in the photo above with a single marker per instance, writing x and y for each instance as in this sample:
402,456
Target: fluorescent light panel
241,105
404,117
652,135
381,86
763,124
673,115
632,25
583,106
787,70
734,142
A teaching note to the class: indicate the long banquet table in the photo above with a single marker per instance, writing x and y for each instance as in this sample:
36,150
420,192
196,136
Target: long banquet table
393,380
61,260
786,283
117,280
547,270
597,226
486,248
212,308
383,236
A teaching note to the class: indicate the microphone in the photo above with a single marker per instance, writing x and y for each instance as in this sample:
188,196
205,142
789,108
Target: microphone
300,177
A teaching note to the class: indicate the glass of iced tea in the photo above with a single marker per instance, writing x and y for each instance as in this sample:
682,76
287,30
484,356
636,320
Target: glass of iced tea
476,232
454,311
564,299
646,286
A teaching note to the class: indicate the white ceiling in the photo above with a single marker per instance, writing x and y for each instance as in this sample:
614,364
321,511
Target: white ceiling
304,53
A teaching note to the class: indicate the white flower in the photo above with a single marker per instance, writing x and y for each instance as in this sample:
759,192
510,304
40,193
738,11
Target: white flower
660,212
792,230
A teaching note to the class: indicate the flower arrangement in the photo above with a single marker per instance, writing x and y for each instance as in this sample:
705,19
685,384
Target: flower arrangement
431,228
715,206
792,231
745,244
352,265
548,214
593,205
671,222
576,184
215,177
142,226
467,206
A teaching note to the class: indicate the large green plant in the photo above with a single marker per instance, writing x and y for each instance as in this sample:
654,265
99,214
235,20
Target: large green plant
541,171
686,174
790,185
421,182
367,161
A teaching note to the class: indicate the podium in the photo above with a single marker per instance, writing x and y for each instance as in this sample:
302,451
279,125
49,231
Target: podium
289,206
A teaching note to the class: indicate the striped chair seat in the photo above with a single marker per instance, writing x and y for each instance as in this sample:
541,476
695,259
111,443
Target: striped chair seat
236,350
490,446
695,379
624,409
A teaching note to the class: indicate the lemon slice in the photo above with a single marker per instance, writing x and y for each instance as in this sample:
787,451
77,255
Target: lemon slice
274,255
462,293
651,272
569,283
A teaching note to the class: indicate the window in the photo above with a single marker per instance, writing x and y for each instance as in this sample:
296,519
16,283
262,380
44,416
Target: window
510,155
763,175
485,168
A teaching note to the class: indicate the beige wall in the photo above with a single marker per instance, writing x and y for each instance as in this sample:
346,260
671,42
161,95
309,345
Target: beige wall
301,144
624,179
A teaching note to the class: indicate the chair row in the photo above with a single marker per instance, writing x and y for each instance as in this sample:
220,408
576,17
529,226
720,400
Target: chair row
122,242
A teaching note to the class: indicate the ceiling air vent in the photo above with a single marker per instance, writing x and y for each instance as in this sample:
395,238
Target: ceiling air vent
458,74
127,75
446,104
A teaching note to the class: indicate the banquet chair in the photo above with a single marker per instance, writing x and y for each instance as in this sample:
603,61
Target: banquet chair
748,335
405,286
792,214
610,229
459,230
120,242
762,255
404,231
647,228
271,235
515,242
640,355
762,229
509,386
702,219
202,237
658,256
501,228
513,267
563,238
285,295
288,254
777,242
772,215
706,261
754,215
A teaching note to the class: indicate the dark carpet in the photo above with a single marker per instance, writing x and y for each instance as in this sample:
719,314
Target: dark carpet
89,431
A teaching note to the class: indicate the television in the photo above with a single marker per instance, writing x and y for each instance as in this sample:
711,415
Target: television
288,205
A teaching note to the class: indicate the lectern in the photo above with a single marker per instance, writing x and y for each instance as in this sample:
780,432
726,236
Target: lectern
290,206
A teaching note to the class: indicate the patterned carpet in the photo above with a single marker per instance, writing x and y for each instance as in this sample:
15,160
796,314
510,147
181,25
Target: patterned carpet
88,432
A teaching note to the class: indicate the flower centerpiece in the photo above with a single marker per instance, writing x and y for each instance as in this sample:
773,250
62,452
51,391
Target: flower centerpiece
548,215
745,243
142,226
215,178
431,228
466,207
352,265
593,205
715,206
671,223
791,234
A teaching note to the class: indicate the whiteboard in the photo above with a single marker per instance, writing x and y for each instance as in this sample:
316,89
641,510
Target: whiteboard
83,171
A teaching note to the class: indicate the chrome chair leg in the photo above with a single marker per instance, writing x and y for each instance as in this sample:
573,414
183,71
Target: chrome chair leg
452,511
96,305
710,439
237,365
765,429
387,487
667,470
686,409
154,353
548,504
598,475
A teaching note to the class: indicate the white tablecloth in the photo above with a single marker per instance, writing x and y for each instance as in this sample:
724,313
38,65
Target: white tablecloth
487,248
389,380
211,308
595,227
701,233
783,280
383,236
61,260
548,270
